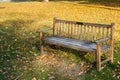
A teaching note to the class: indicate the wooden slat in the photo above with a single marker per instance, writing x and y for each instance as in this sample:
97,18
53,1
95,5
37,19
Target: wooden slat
103,40
84,23
57,25
71,30
84,32
57,28
88,32
81,31
107,32
103,32
106,50
99,31
95,32
92,33
54,22
62,30
61,26
75,30
105,61
78,31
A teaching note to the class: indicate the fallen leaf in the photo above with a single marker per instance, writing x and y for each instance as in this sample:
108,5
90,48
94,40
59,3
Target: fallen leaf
34,78
118,62
51,77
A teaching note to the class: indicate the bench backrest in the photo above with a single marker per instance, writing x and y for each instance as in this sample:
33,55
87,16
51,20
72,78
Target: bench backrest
82,30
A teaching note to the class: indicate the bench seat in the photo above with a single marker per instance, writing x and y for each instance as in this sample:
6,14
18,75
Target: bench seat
74,44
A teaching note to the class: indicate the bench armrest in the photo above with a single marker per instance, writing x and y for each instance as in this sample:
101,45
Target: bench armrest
44,30
102,40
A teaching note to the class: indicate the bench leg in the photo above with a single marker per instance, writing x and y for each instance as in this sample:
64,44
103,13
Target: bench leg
111,54
41,49
41,43
98,57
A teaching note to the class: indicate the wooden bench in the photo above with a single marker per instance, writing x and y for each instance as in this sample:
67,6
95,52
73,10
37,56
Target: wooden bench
82,36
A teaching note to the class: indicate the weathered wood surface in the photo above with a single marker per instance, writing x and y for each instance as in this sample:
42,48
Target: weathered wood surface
83,23
75,44
105,61
112,41
81,30
98,57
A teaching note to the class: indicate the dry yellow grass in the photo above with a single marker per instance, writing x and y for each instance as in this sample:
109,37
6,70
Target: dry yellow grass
42,13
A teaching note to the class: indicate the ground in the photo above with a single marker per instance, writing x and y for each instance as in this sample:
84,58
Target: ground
20,58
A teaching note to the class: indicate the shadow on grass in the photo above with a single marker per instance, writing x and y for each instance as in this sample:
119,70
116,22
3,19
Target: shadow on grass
17,49
79,55
108,3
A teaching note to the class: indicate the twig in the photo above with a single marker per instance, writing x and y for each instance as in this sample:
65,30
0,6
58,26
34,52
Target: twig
18,77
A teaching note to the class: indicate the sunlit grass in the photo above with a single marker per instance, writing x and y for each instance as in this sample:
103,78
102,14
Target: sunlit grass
19,42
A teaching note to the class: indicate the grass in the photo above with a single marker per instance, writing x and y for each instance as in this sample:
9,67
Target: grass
19,42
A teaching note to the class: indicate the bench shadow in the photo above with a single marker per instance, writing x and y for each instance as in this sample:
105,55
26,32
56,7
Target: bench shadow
79,54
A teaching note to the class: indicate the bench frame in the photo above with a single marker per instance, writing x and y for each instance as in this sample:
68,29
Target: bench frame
99,42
